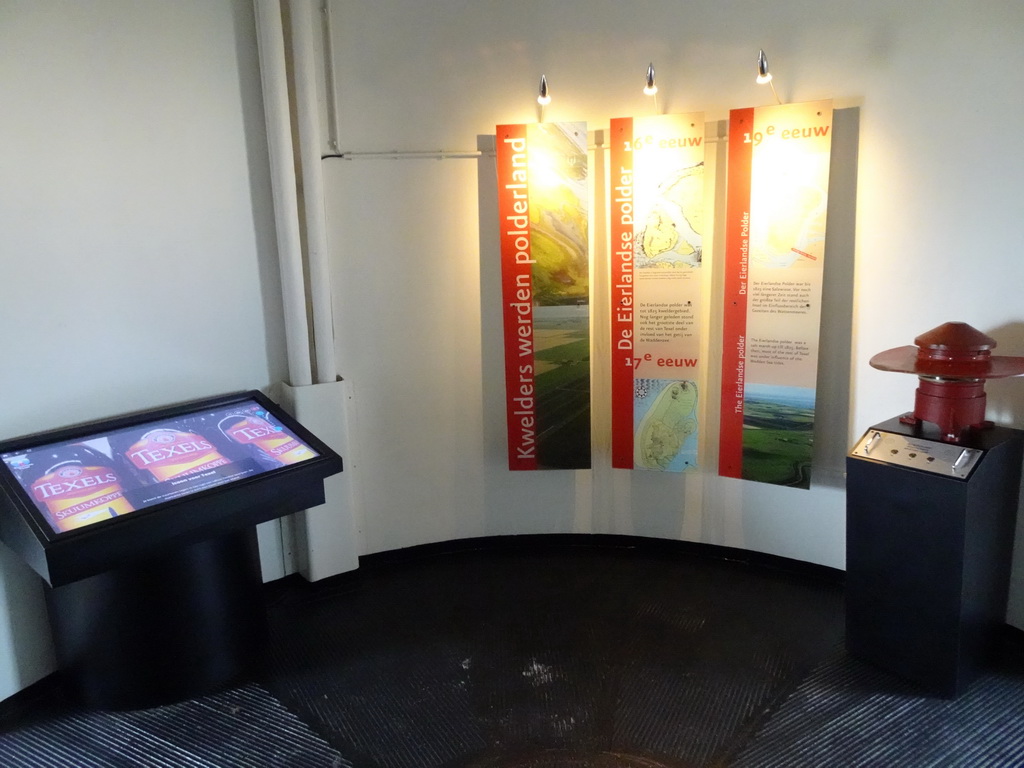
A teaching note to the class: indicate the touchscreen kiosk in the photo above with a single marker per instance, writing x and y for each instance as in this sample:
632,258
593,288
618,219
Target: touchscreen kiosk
144,528
78,501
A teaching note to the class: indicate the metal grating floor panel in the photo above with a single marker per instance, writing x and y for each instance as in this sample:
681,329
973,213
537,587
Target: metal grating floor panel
852,714
244,727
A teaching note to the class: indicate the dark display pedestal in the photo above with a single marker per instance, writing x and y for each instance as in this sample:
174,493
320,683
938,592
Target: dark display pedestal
929,555
173,626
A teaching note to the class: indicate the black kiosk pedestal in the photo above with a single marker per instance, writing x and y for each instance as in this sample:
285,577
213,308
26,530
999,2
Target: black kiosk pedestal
168,628
929,542
144,529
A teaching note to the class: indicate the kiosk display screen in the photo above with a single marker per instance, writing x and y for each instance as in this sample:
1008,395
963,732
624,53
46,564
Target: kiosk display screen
96,477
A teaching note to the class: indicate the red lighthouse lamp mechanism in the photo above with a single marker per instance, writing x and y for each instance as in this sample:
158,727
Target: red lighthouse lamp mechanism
952,363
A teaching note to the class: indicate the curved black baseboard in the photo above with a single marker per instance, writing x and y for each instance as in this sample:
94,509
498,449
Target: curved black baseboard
645,545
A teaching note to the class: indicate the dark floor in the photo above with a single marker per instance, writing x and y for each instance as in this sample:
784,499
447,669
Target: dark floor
551,656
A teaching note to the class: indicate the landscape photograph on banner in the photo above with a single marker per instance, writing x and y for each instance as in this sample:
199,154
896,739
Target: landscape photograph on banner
561,279
778,434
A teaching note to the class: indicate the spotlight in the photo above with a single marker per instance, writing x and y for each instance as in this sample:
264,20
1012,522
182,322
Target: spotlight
650,88
763,75
543,97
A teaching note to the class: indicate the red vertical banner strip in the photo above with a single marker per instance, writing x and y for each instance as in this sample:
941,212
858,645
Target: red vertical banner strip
737,264
517,295
622,210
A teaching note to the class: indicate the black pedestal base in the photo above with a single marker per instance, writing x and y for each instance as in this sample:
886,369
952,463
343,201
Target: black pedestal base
175,626
928,561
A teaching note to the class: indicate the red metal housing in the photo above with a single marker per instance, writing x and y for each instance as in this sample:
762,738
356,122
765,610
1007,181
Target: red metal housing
952,363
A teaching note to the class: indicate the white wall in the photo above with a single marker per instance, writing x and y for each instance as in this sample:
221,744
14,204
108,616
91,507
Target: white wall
929,167
137,263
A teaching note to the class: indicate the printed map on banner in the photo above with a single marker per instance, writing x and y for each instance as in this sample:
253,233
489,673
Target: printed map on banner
543,205
657,228
774,252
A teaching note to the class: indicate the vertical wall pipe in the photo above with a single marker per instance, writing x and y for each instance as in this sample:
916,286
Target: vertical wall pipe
332,91
313,189
270,38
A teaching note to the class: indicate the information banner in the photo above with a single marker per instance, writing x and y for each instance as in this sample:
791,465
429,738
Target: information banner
657,214
774,260
543,202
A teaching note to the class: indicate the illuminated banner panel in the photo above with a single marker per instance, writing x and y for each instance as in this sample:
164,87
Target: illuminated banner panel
545,266
657,214
774,260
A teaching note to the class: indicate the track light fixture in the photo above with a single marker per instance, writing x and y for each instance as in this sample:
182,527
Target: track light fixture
650,88
764,75
543,97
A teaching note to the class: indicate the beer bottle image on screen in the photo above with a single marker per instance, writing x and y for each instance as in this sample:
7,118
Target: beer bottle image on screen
270,443
165,453
205,425
77,486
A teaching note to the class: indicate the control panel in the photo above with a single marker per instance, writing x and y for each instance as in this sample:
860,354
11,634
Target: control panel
927,455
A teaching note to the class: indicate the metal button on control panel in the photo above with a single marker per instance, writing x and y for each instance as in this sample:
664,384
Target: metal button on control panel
928,455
